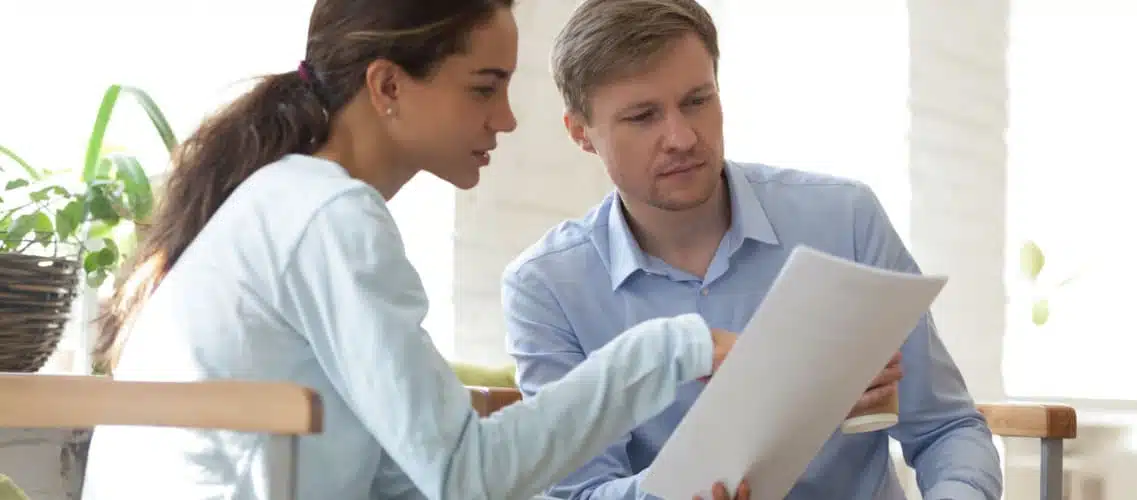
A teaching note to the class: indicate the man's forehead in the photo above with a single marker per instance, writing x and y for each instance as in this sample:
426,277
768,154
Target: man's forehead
644,91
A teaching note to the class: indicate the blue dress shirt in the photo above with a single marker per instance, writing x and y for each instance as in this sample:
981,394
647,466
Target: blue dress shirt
587,280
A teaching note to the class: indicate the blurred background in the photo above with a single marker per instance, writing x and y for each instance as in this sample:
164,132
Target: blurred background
996,133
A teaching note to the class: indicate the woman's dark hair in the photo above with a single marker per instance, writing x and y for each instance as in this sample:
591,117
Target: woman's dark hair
283,114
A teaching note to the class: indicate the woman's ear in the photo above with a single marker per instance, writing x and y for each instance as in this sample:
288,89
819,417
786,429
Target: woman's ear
382,82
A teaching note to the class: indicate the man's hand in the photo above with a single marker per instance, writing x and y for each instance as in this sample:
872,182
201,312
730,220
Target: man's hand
882,387
724,342
719,492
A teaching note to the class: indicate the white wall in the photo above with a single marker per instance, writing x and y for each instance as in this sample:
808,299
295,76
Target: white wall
958,172
538,178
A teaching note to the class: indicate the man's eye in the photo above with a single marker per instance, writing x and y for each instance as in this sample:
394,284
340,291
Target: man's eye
642,117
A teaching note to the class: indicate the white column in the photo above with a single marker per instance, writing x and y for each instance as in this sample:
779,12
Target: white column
958,172
537,178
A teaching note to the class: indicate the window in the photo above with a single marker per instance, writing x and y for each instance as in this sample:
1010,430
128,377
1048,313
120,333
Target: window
1071,155
819,89
191,57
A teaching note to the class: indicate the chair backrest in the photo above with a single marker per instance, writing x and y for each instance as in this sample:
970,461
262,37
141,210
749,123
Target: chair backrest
487,400
65,402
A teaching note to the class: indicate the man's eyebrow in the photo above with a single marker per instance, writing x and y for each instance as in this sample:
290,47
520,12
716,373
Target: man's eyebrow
702,88
646,104
639,106
496,72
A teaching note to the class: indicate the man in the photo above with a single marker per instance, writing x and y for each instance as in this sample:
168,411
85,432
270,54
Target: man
687,231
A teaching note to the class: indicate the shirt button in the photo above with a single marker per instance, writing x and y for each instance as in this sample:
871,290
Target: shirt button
705,291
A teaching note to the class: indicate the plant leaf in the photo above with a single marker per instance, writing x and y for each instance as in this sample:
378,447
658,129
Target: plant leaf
91,262
103,170
44,229
100,229
69,218
32,172
157,118
44,193
1040,312
99,205
103,118
1031,260
108,256
97,277
140,197
99,131
15,184
20,228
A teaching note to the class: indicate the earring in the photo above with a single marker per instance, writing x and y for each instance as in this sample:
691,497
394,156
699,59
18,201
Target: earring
390,111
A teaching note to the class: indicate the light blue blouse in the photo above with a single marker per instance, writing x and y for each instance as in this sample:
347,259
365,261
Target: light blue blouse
301,276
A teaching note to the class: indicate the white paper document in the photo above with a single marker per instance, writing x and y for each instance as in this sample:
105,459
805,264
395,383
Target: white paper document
825,329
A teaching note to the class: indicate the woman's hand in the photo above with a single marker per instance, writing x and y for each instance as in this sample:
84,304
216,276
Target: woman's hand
723,342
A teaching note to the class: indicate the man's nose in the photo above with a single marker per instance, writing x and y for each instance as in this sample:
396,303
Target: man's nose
679,133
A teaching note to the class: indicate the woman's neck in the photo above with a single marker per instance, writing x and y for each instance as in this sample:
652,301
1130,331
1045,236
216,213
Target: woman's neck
365,150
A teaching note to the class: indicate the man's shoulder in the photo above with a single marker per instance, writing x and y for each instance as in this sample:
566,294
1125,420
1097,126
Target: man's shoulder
566,242
799,189
762,175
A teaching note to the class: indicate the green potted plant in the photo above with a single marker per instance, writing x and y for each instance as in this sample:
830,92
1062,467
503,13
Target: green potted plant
60,227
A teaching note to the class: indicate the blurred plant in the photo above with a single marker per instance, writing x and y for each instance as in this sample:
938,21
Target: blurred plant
91,216
1031,263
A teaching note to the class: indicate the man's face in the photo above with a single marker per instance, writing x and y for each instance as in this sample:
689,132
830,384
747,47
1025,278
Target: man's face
659,132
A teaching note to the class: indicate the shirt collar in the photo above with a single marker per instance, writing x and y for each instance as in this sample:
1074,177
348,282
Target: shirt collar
748,221
748,217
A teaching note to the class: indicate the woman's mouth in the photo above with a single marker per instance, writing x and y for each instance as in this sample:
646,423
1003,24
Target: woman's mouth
482,157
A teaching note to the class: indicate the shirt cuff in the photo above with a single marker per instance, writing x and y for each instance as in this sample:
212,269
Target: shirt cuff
701,349
954,490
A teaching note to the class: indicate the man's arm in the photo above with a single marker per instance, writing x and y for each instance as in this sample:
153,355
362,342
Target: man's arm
942,433
545,348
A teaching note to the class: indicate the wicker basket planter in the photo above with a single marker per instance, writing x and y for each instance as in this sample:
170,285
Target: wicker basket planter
36,296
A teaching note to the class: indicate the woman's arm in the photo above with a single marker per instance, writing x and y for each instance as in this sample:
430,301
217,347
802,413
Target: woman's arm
351,290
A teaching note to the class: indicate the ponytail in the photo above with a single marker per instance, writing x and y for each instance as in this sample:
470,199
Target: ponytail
282,114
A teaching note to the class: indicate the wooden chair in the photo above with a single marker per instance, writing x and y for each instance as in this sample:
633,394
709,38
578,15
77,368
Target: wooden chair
66,402
1052,424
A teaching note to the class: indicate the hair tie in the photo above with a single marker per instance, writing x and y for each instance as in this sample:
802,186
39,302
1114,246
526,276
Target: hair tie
315,84
305,71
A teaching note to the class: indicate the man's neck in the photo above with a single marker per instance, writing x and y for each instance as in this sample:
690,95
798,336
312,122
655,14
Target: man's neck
686,239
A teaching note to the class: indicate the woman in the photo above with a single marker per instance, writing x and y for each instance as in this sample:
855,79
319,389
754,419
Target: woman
274,257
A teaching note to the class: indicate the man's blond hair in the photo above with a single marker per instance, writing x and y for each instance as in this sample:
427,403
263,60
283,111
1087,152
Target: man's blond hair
607,39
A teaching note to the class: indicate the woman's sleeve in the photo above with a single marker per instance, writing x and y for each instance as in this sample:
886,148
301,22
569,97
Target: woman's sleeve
352,292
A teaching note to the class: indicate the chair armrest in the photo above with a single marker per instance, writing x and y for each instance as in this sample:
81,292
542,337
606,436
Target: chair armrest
1034,420
487,400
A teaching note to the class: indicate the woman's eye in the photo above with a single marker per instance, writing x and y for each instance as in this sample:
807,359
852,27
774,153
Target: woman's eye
485,91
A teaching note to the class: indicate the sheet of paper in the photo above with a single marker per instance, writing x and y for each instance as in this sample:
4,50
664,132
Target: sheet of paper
825,329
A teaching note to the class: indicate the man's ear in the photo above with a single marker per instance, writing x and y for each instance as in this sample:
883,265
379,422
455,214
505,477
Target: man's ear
575,125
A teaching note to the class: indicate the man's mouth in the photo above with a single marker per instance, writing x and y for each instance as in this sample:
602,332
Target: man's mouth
679,169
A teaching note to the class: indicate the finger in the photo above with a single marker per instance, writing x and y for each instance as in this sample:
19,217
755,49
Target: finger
895,359
720,492
743,491
877,395
887,376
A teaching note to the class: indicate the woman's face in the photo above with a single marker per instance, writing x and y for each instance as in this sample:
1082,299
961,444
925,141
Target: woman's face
448,124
